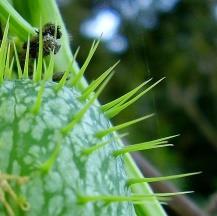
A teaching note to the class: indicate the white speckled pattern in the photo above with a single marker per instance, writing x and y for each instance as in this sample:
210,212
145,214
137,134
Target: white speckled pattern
27,141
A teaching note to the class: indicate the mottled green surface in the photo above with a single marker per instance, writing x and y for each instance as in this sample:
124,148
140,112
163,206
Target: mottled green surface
28,140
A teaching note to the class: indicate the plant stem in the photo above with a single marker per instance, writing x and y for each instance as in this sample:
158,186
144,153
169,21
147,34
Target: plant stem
18,25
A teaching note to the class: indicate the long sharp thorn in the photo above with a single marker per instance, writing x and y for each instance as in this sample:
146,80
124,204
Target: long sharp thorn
66,74
118,108
157,179
121,126
10,69
3,51
78,76
124,97
132,198
134,148
38,73
82,112
44,68
47,165
163,140
141,146
36,107
18,63
49,71
26,65
92,87
100,145
7,64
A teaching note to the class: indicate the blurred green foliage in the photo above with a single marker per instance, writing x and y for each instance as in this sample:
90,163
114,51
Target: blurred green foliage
181,45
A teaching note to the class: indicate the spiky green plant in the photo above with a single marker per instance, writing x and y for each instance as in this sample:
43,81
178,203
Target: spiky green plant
59,153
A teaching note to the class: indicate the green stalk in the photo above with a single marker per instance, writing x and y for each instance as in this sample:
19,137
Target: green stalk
152,209
46,10
18,25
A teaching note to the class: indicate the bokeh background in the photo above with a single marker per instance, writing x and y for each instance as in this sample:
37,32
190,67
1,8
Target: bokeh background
156,38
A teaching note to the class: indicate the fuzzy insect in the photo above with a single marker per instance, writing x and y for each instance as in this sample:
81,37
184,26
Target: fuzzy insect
50,33
52,30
